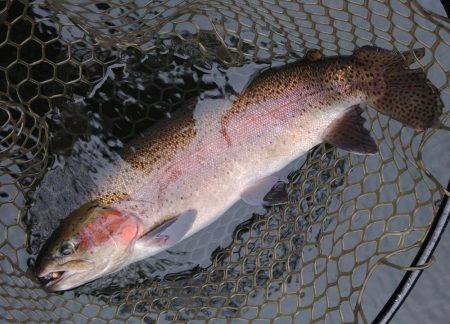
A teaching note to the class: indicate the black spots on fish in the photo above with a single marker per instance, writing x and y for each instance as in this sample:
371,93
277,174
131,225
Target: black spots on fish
109,198
303,75
368,75
394,89
375,56
379,76
162,143
418,106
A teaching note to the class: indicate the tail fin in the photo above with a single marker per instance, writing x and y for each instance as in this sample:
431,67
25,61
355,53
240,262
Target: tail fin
403,94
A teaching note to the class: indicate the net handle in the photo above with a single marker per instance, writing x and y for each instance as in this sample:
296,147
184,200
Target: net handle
423,257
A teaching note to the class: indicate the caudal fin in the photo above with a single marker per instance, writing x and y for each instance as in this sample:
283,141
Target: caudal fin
397,91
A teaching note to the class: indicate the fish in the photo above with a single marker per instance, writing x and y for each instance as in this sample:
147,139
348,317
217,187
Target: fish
184,172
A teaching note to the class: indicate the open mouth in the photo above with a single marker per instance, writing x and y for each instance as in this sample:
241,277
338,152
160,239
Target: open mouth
60,276
51,278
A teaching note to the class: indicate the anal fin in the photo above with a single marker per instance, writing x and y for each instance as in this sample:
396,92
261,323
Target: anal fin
278,195
348,133
268,191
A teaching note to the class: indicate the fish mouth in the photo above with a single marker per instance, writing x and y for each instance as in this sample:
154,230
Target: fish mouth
53,278
57,277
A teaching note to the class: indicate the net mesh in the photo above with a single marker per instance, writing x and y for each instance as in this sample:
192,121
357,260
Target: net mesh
71,71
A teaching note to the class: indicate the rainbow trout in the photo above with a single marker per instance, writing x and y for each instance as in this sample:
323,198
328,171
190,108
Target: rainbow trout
188,170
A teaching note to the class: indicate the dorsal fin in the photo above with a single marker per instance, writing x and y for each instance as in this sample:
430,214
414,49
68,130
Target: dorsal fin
348,133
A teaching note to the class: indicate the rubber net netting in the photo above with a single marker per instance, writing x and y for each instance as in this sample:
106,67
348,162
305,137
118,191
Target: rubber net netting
78,79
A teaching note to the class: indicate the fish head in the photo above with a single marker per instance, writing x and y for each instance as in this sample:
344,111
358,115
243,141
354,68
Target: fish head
91,242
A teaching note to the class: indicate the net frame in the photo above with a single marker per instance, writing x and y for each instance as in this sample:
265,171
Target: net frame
421,261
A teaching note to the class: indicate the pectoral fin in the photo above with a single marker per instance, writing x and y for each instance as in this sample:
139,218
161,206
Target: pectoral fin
348,133
268,191
170,232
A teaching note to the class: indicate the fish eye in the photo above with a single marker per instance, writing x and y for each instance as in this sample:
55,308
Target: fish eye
67,248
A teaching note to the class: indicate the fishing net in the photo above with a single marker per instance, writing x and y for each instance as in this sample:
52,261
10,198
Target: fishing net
78,79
